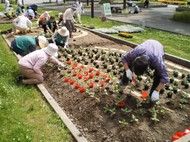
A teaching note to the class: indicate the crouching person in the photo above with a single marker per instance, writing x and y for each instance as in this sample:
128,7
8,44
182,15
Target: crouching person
30,64
25,44
60,37
22,24
149,54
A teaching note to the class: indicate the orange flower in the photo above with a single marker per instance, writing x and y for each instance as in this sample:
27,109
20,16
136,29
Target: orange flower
144,94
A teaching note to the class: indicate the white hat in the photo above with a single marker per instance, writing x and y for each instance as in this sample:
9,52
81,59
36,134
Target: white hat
63,31
46,12
51,49
42,41
74,6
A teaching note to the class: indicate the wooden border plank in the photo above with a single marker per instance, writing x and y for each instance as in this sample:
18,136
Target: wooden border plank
72,128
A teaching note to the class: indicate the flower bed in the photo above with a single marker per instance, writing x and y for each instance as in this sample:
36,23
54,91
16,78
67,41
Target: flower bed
89,92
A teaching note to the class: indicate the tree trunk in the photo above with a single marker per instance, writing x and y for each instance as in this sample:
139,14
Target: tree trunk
124,4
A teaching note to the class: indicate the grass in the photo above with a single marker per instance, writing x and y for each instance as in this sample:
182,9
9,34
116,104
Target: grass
183,16
24,114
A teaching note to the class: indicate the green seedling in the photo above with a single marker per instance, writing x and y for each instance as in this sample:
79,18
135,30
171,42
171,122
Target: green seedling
134,118
112,112
126,110
139,103
142,111
106,108
123,122
154,118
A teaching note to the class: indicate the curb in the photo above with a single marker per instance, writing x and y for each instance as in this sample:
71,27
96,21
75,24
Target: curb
172,58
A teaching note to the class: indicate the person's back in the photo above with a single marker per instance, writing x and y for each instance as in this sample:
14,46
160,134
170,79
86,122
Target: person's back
22,21
30,13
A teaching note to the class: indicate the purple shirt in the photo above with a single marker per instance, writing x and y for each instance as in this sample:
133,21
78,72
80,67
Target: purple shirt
155,51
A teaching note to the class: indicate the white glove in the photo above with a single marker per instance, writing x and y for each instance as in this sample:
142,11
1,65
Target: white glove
62,65
129,74
155,96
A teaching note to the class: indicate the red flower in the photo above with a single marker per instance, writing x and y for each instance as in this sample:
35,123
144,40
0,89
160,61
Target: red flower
71,81
108,79
86,72
66,80
74,65
105,76
91,75
97,73
86,78
144,95
74,73
77,86
82,67
82,89
91,69
79,76
68,62
102,83
121,104
91,84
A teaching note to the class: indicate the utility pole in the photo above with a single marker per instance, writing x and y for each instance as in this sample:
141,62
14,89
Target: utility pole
92,8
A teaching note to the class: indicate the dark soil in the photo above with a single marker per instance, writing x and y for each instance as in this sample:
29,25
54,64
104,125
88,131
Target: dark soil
96,112
88,110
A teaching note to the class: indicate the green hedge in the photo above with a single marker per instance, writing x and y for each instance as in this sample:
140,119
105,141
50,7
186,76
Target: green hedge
182,16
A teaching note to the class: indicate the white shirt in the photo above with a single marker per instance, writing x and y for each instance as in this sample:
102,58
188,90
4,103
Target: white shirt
22,22
79,7
68,14
7,3
19,2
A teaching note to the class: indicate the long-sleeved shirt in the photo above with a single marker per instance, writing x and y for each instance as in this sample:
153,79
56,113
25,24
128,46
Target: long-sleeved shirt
68,14
29,12
154,50
36,60
79,7
60,39
26,43
7,3
22,22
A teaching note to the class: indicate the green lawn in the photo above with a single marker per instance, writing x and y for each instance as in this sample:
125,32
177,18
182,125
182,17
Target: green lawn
24,113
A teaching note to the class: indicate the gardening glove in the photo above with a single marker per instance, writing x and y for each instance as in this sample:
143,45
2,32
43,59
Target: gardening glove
62,65
155,96
129,74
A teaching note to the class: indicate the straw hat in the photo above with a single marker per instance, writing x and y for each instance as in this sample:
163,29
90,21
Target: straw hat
63,31
42,41
51,49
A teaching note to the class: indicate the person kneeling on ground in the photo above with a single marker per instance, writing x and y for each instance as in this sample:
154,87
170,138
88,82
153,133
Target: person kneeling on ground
21,23
50,25
60,19
43,18
60,37
30,64
20,9
9,12
25,44
149,54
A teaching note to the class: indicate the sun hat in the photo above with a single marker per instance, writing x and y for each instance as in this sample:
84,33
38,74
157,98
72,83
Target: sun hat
74,6
63,31
51,49
42,41
140,64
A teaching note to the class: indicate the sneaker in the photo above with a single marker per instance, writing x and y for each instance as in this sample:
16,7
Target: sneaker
19,79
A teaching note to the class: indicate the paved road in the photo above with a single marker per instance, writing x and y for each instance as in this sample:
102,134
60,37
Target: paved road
158,18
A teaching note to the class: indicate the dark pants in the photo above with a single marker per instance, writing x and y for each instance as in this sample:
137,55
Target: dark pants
16,49
45,29
70,26
155,82
61,44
